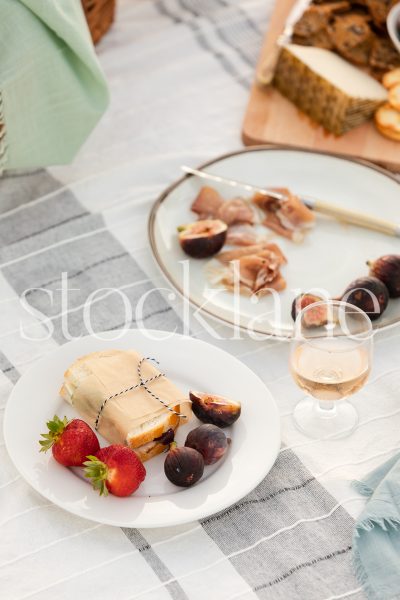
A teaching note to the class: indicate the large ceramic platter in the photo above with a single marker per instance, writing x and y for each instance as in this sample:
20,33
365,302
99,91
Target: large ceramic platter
332,255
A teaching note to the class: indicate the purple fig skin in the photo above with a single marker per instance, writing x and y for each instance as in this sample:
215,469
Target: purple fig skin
387,269
183,466
215,410
210,441
206,242
368,293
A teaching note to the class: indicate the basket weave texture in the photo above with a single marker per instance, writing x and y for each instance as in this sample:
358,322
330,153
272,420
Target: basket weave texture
99,15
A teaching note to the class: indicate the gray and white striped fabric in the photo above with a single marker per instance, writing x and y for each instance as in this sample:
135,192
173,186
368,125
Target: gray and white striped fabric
179,72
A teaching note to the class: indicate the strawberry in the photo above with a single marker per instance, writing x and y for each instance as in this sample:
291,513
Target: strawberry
115,469
70,441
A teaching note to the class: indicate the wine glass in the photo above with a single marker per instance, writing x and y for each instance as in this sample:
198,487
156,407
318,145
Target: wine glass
330,358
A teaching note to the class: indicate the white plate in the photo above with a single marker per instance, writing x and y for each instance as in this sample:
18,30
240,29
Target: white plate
191,364
331,256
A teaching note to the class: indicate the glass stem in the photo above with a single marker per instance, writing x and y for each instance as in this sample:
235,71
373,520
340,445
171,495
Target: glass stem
326,408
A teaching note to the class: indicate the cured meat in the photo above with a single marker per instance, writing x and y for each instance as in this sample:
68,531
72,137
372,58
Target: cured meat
288,217
210,204
278,284
277,251
236,211
242,234
257,271
207,203
254,270
229,255
258,249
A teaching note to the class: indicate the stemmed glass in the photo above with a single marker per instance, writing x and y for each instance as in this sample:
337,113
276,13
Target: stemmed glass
330,358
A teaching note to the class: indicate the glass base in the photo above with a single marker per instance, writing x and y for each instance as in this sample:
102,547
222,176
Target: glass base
333,420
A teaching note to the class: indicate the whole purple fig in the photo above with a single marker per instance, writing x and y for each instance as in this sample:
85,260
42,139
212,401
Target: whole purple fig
387,269
183,466
210,441
368,293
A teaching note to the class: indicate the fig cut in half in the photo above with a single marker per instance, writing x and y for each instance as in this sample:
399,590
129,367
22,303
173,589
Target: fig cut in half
302,301
314,317
215,410
202,239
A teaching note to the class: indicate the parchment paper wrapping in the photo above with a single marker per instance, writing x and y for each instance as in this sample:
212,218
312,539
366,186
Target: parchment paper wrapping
99,375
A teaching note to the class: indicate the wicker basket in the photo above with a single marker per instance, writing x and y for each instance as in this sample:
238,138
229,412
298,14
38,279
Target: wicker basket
99,15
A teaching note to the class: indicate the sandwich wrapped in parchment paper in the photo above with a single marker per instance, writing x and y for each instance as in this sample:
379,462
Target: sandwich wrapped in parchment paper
135,418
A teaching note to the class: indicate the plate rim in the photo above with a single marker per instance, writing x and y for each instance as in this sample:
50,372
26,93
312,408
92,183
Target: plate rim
195,514
256,148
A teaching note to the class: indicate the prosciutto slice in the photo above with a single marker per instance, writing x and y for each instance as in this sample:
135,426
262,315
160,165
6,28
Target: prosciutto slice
256,269
236,211
242,234
289,217
229,255
209,204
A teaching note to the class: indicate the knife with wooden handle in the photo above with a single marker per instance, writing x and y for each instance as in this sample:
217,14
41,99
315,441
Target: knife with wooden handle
339,213
265,75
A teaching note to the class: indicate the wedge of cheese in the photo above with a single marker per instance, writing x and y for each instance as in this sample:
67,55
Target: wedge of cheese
326,87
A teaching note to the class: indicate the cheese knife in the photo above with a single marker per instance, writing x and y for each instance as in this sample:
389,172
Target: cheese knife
337,212
265,75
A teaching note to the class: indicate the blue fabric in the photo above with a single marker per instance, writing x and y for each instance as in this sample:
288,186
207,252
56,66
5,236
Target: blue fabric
376,542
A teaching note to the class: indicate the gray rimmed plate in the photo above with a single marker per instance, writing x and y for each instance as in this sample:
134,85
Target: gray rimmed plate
332,255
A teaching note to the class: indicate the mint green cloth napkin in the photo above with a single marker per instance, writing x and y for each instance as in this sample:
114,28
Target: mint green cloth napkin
376,542
52,89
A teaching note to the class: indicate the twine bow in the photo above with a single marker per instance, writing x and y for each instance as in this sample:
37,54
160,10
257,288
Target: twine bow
142,384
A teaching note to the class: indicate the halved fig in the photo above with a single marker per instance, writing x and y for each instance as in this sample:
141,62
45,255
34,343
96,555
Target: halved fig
302,301
316,316
203,239
215,410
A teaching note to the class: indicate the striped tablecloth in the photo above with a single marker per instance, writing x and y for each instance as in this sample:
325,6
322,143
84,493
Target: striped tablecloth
179,72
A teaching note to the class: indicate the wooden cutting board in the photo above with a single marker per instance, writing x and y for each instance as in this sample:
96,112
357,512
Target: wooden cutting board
272,119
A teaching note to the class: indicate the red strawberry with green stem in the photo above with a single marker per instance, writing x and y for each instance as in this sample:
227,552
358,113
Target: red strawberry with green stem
115,469
70,441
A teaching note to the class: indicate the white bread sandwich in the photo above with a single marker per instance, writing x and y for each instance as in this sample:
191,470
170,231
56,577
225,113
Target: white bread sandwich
99,386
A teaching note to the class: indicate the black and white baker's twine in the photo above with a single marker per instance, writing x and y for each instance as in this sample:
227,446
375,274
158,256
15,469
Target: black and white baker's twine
142,383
